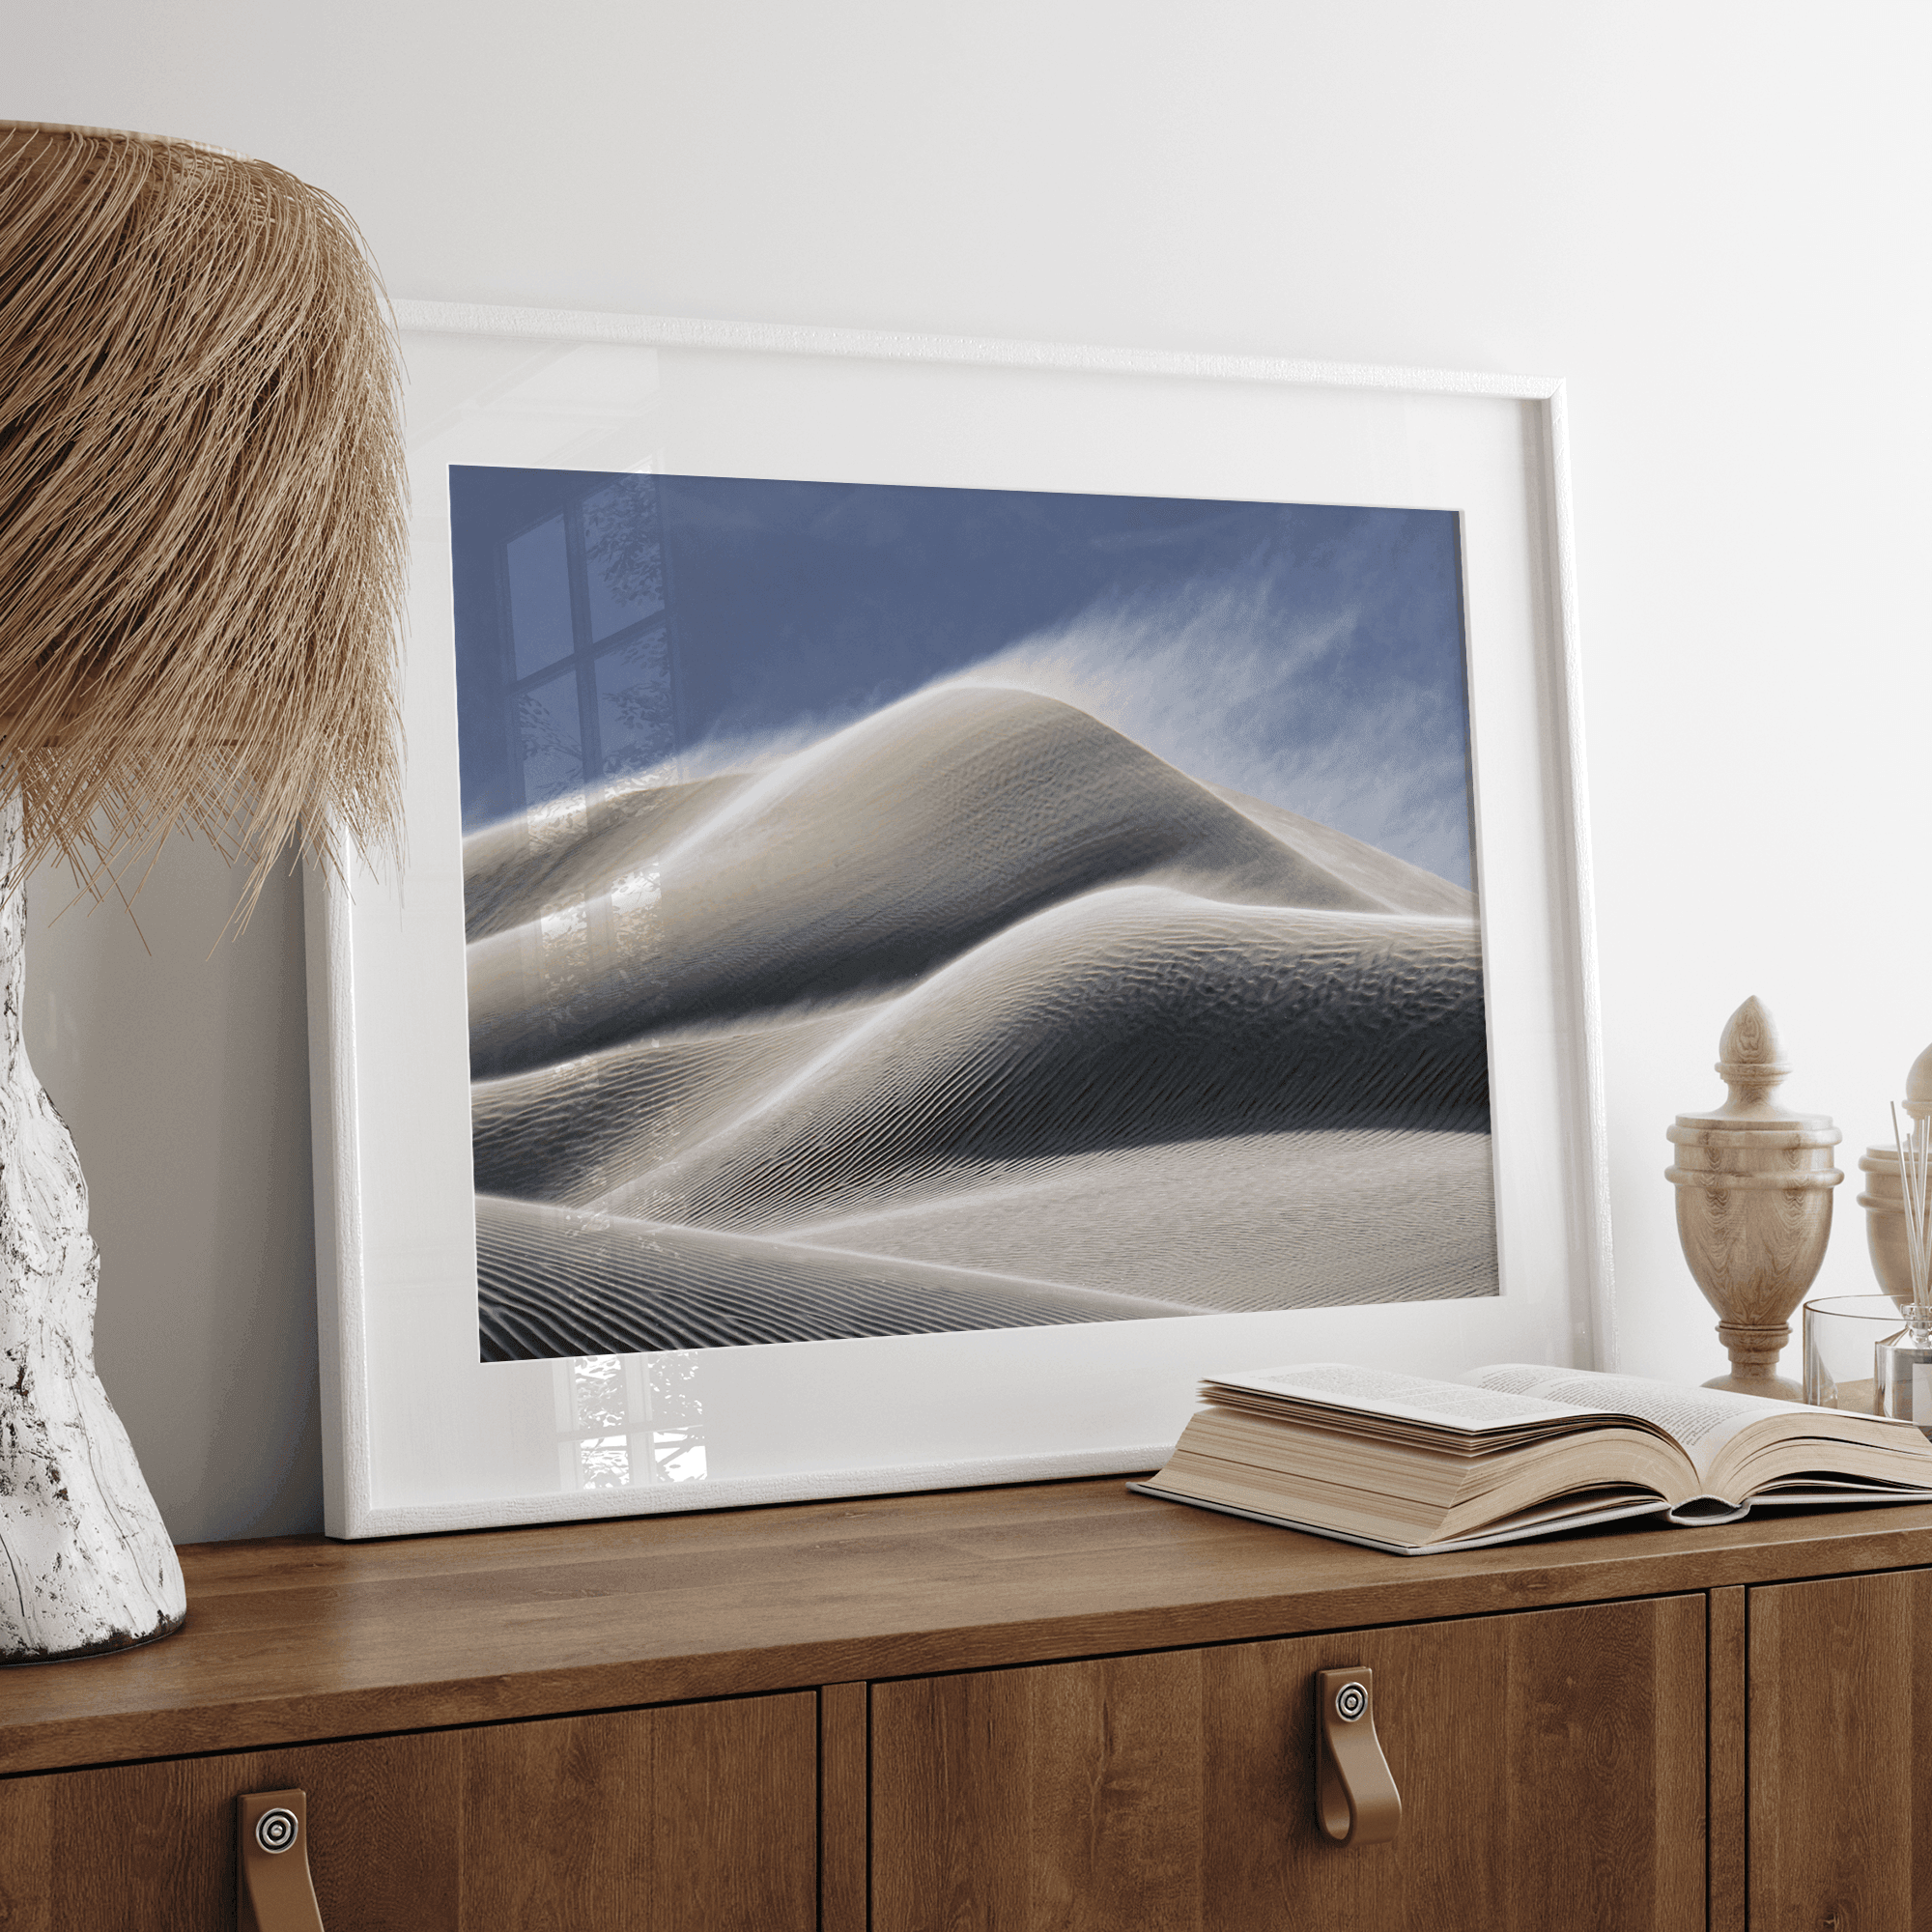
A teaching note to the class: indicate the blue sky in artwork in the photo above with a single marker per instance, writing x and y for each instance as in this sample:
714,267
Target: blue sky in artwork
1310,656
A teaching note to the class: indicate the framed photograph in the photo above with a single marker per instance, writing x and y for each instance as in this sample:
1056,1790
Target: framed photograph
953,888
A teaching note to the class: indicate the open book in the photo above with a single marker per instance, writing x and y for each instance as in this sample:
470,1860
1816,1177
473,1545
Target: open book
1404,1464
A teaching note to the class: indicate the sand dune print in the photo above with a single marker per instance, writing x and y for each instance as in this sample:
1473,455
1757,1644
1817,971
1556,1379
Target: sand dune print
975,1013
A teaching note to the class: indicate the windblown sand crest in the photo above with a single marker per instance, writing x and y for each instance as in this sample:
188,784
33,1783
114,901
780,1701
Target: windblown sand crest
974,1014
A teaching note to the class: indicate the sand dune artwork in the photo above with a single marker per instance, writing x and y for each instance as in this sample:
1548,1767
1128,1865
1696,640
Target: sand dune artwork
894,910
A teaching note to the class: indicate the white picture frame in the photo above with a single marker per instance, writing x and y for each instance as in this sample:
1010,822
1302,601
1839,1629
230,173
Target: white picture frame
419,1435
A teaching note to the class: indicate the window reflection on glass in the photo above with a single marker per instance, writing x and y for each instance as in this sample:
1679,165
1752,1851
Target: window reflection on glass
539,572
597,1392
677,1456
677,1420
600,1402
604,1462
567,650
552,738
611,1406
635,724
637,891
622,556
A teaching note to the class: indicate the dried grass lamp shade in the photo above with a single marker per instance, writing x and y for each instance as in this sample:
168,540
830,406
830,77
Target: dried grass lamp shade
202,548
201,502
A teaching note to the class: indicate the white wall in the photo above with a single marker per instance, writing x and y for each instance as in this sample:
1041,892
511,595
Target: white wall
1710,218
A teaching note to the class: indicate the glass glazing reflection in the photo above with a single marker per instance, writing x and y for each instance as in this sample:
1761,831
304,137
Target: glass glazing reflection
635,725
631,1420
538,566
551,738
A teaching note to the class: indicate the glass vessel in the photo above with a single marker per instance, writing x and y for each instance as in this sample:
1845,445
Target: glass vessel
1841,1332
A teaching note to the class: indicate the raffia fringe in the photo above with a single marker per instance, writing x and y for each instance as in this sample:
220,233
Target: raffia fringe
203,509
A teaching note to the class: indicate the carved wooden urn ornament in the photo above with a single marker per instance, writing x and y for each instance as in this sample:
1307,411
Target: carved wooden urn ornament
1753,1188
1883,1199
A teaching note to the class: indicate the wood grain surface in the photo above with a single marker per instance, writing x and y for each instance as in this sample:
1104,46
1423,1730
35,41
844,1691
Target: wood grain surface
1727,1803
1551,1764
845,1752
845,1770
667,1820
301,1640
1840,1733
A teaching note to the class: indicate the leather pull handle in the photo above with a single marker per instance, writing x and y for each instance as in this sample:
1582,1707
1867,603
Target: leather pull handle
1355,1799
273,1889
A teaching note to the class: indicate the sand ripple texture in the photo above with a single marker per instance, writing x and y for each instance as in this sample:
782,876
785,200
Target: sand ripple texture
975,1014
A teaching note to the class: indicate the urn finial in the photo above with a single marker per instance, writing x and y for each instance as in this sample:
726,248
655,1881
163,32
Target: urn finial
1918,1087
1884,1197
1751,1063
1754,1183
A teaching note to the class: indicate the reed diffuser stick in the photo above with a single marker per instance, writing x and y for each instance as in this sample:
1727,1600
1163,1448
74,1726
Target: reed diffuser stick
1914,1171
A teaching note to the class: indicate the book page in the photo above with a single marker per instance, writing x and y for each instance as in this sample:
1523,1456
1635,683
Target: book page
1700,1420
1458,1405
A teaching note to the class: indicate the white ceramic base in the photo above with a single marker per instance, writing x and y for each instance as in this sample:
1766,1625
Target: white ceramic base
85,1561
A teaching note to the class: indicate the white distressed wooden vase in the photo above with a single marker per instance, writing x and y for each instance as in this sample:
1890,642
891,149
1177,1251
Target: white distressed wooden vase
85,1560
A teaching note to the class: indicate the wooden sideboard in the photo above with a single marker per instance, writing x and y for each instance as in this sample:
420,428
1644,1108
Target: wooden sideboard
1059,1706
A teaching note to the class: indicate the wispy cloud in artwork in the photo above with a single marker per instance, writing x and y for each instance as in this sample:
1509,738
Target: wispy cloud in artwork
1214,678
1217,678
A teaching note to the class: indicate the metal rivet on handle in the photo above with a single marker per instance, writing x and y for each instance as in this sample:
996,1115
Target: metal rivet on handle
1351,1701
275,1830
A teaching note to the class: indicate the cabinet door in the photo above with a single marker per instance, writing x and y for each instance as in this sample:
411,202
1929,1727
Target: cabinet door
1550,1765
692,1815
1840,1739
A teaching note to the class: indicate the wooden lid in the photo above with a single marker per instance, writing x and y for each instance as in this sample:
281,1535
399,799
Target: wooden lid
1751,1063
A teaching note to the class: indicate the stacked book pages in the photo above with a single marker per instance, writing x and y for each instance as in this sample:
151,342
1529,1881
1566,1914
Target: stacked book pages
1407,1464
